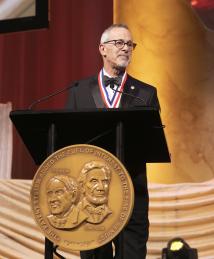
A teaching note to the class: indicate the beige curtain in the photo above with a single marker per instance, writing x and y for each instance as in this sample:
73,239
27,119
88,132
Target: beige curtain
184,210
5,141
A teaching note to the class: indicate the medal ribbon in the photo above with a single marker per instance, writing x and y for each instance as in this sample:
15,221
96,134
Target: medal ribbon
114,103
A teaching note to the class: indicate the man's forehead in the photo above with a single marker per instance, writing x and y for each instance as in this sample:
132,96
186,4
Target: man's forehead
98,172
120,32
55,183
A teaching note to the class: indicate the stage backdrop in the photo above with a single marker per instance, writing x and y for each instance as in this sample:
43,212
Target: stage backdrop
175,53
36,63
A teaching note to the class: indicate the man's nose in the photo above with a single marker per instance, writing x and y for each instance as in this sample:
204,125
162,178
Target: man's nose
100,185
125,47
53,197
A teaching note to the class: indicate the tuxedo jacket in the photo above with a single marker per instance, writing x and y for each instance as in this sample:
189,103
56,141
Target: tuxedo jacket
86,95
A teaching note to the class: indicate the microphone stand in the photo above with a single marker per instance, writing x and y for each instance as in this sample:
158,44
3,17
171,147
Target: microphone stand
130,95
120,156
119,240
44,98
49,245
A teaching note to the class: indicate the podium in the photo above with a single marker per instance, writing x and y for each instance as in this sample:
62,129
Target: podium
132,134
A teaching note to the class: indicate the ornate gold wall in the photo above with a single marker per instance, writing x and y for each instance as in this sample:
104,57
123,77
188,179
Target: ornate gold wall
175,53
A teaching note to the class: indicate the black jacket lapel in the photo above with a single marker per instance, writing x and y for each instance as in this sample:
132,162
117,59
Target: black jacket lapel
129,88
95,91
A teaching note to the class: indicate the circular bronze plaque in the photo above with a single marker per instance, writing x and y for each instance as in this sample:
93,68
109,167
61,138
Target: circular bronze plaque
81,197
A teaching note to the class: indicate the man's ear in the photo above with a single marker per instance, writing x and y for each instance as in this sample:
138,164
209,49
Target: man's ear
102,50
81,186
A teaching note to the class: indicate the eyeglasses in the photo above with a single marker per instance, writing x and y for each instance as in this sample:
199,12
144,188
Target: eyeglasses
121,43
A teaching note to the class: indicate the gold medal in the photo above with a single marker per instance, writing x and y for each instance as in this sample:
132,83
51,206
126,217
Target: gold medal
81,197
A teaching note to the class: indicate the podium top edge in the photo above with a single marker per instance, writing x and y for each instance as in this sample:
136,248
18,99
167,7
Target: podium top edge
113,110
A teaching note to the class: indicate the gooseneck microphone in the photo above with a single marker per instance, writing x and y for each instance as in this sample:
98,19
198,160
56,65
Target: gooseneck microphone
131,95
44,98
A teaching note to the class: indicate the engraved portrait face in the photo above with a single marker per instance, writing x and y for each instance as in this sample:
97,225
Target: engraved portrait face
73,197
97,186
60,195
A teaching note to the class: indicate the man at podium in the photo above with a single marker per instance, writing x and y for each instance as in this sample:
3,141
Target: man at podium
113,87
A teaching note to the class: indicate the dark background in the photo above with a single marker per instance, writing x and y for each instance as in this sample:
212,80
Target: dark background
205,10
38,62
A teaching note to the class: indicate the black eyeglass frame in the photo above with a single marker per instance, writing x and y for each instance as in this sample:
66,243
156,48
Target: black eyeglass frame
132,46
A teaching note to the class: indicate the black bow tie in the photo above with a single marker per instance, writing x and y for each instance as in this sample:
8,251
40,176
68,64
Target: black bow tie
112,80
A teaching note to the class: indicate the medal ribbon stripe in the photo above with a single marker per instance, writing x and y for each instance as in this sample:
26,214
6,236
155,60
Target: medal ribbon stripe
117,96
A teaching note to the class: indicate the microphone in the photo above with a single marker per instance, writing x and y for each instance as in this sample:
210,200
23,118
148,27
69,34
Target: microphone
131,95
44,98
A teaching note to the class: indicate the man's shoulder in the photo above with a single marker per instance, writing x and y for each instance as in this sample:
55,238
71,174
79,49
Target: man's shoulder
89,79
